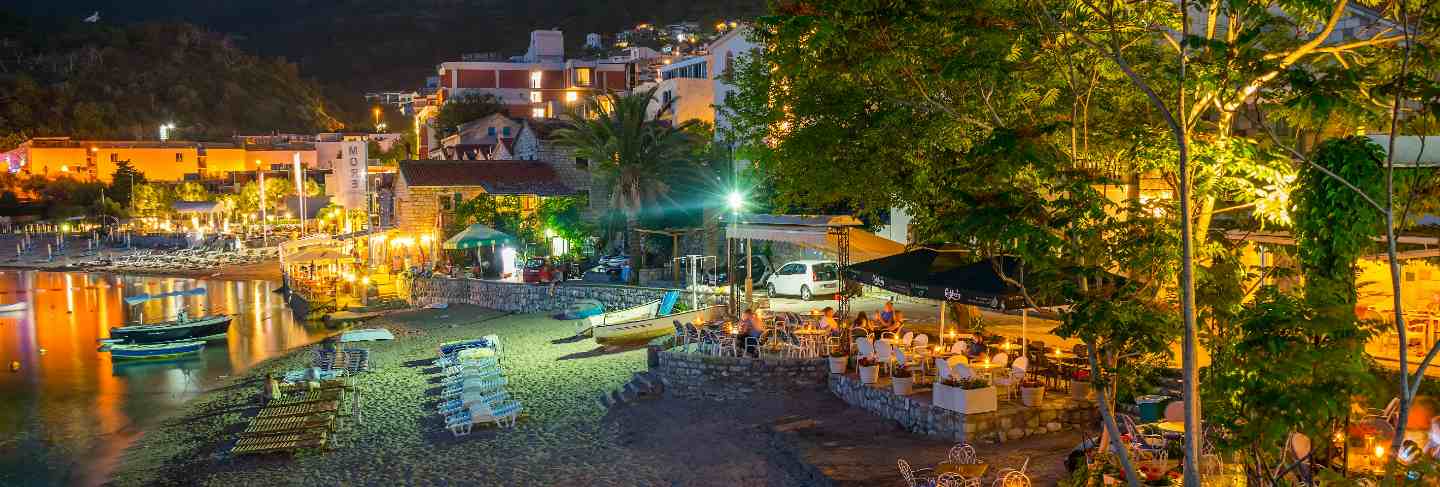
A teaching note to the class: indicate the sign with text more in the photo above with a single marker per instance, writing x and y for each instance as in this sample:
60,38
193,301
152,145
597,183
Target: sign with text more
348,170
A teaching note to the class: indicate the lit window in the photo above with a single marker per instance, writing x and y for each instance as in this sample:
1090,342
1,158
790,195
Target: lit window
582,77
179,157
571,96
534,79
537,112
534,97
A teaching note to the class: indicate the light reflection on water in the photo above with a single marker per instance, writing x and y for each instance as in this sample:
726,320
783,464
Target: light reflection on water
69,412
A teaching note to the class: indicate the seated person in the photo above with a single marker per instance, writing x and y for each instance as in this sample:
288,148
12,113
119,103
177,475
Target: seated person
827,321
1432,443
896,324
861,323
887,315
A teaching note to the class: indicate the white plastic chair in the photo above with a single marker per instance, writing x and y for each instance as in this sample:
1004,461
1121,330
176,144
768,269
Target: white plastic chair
1008,382
864,347
942,369
921,341
952,479
1022,363
962,371
1012,479
1000,359
908,339
884,354
958,347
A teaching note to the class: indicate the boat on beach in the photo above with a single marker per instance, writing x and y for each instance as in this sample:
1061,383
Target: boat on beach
128,351
589,323
183,327
12,307
652,326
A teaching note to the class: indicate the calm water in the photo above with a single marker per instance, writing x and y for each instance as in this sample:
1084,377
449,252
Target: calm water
69,412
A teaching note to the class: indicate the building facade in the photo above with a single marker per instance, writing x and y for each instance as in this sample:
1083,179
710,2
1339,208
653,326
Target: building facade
427,192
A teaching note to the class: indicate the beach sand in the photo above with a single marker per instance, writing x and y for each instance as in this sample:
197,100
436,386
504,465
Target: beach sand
567,438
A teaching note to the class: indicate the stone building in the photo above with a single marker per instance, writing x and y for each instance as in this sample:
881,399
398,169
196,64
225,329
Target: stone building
426,192
536,142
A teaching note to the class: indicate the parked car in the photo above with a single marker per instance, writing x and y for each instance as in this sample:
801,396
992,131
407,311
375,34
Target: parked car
533,265
758,276
805,278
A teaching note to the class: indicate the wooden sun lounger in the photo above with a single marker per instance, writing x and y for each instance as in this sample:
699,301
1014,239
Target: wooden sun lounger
325,385
289,424
277,444
302,409
321,395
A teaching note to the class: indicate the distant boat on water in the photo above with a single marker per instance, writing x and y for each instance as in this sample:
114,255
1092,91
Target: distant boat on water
183,327
140,298
13,307
127,351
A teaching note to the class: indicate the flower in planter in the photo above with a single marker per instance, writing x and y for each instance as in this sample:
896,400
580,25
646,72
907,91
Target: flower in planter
901,373
1030,383
1081,376
967,384
837,354
868,362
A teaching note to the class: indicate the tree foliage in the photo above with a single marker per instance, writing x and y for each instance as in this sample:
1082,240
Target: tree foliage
466,109
98,81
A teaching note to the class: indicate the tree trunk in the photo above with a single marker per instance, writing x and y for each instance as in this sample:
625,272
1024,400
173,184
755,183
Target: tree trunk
632,244
1107,418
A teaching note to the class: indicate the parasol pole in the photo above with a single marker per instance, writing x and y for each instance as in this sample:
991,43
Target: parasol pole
1024,327
943,304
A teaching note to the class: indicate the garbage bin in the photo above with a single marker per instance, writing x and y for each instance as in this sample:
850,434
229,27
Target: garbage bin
1150,407
625,274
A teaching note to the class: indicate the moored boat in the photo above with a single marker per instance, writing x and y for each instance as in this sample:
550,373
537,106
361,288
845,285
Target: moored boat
650,327
183,327
126,351
12,307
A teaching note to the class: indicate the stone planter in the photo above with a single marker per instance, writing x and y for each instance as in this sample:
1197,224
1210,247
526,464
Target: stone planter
1032,396
903,385
868,375
972,401
943,396
837,364
1080,390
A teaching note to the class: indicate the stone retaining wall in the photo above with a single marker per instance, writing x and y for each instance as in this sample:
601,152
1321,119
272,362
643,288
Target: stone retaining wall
528,298
1011,422
730,378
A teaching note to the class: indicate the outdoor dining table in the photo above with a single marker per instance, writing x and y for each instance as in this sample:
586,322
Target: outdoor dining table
1171,426
813,339
967,470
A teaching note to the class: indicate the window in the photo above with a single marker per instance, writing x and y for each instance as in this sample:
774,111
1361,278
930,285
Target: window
490,131
582,162
179,157
114,157
505,131
535,79
791,269
459,198
534,97
583,77
537,112
444,202
571,96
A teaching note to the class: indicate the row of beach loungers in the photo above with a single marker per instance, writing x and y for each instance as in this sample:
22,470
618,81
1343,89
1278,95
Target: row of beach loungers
184,259
473,389
298,416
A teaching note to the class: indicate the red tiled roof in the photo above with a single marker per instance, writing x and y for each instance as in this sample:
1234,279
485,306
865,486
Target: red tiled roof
495,177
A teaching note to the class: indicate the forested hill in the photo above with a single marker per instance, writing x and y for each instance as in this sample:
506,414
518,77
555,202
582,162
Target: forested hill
353,46
97,80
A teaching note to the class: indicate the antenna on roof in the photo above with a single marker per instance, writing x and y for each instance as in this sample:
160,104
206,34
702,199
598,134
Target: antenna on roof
93,18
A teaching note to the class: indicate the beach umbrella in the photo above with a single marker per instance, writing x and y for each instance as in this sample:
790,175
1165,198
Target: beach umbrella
476,236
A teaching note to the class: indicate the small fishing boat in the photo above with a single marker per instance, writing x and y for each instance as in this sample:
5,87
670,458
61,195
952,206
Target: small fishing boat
126,351
646,321
141,298
183,327
647,310
12,307
581,309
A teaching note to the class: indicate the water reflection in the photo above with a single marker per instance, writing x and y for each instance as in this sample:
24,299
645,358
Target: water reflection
69,411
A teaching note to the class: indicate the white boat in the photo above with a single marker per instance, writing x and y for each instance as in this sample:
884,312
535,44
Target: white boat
651,326
644,311
12,307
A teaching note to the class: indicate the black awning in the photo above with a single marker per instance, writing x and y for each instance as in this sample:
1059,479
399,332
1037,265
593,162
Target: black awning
948,276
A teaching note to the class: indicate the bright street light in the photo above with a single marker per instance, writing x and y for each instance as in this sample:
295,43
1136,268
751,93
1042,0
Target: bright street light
736,200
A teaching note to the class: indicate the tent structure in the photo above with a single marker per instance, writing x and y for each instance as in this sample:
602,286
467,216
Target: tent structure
476,236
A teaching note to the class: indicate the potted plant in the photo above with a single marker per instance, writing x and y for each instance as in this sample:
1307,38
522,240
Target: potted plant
902,380
838,361
942,394
967,396
1032,391
869,370
1080,385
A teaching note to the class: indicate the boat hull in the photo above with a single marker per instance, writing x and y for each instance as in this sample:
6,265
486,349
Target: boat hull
12,307
644,311
155,351
204,328
648,328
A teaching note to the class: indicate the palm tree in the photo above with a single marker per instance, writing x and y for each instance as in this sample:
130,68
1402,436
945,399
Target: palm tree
634,154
